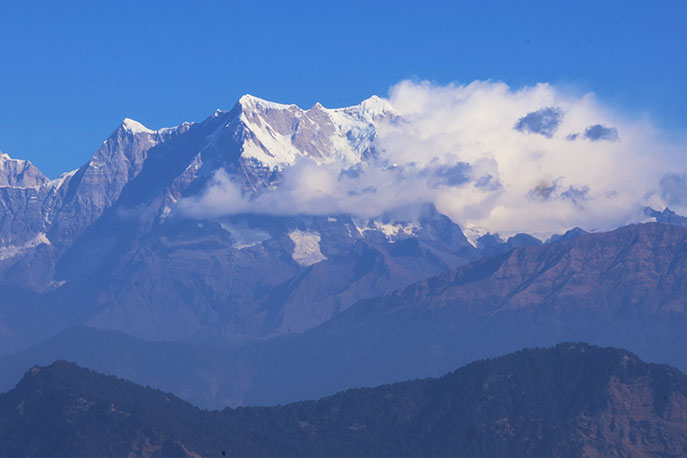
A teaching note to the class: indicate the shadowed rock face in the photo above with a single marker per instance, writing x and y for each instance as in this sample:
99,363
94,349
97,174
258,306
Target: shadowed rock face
570,400
63,208
624,288
638,269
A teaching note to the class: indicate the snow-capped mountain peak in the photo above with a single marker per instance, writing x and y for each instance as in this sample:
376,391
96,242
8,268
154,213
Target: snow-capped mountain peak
249,102
135,127
278,134
376,107
4,157
19,173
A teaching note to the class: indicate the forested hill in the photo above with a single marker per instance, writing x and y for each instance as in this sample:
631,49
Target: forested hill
569,400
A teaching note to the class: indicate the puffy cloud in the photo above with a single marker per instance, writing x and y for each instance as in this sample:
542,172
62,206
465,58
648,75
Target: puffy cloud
544,121
456,146
368,190
673,189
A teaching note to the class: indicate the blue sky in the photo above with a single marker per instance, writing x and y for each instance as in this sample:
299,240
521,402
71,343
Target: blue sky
71,71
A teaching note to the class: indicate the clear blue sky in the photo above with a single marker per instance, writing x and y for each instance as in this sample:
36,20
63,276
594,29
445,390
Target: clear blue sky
71,71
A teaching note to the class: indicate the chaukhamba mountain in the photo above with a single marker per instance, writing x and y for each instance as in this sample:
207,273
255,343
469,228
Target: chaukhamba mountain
102,245
102,266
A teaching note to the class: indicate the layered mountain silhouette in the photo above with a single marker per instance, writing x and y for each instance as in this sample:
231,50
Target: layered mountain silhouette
570,400
624,288
101,266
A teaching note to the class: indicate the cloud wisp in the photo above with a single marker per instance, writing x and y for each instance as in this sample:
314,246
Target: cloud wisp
490,157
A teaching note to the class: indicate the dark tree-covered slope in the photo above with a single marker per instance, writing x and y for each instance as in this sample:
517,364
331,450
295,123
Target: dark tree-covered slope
570,400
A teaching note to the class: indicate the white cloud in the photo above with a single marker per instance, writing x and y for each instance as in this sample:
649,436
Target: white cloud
673,191
464,148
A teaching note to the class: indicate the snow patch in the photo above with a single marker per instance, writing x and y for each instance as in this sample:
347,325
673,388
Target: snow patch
472,233
166,211
59,181
171,130
307,247
271,148
395,230
392,231
244,236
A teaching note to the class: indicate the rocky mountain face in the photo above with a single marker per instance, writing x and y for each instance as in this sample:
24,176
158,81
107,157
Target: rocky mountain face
106,245
19,174
65,206
569,400
666,216
622,288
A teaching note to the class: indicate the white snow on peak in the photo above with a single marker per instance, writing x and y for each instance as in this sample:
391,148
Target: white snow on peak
369,110
395,230
306,251
283,133
391,230
19,173
135,127
59,181
169,130
6,157
376,106
472,233
250,101
373,106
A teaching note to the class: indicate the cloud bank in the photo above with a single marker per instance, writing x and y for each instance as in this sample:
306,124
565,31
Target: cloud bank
536,159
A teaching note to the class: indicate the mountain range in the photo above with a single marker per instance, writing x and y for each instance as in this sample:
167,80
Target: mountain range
119,266
621,288
108,245
570,400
